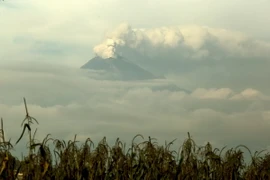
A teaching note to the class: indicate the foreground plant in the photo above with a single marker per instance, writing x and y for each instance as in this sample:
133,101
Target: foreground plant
142,160
9,164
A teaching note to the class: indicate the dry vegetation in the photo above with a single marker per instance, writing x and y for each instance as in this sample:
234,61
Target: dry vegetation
145,160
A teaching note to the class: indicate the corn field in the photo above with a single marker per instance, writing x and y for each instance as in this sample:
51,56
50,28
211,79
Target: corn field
144,160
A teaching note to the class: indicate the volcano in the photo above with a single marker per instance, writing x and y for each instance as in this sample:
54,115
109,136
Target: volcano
119,68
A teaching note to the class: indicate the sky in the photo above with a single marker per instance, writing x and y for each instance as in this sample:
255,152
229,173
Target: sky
218,50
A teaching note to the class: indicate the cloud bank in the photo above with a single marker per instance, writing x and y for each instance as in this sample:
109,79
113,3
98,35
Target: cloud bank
66,101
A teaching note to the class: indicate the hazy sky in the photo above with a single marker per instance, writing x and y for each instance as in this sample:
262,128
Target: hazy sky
219,50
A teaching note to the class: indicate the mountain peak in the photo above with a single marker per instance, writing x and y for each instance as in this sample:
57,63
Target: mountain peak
119,67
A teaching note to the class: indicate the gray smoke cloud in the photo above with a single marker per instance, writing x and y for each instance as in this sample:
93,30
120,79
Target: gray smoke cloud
213,57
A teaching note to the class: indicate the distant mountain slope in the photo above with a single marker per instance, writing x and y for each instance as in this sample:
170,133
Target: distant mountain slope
120,68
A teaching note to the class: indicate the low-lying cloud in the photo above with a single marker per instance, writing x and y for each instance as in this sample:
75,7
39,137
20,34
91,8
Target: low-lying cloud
66,102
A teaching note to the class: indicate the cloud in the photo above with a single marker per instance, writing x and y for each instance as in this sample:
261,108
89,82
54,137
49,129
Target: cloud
250,94
211,57
222,93
66,102
206,56
199,41
227,93
76,27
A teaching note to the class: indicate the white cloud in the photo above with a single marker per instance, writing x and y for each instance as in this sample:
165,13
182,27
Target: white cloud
250,94
222,93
